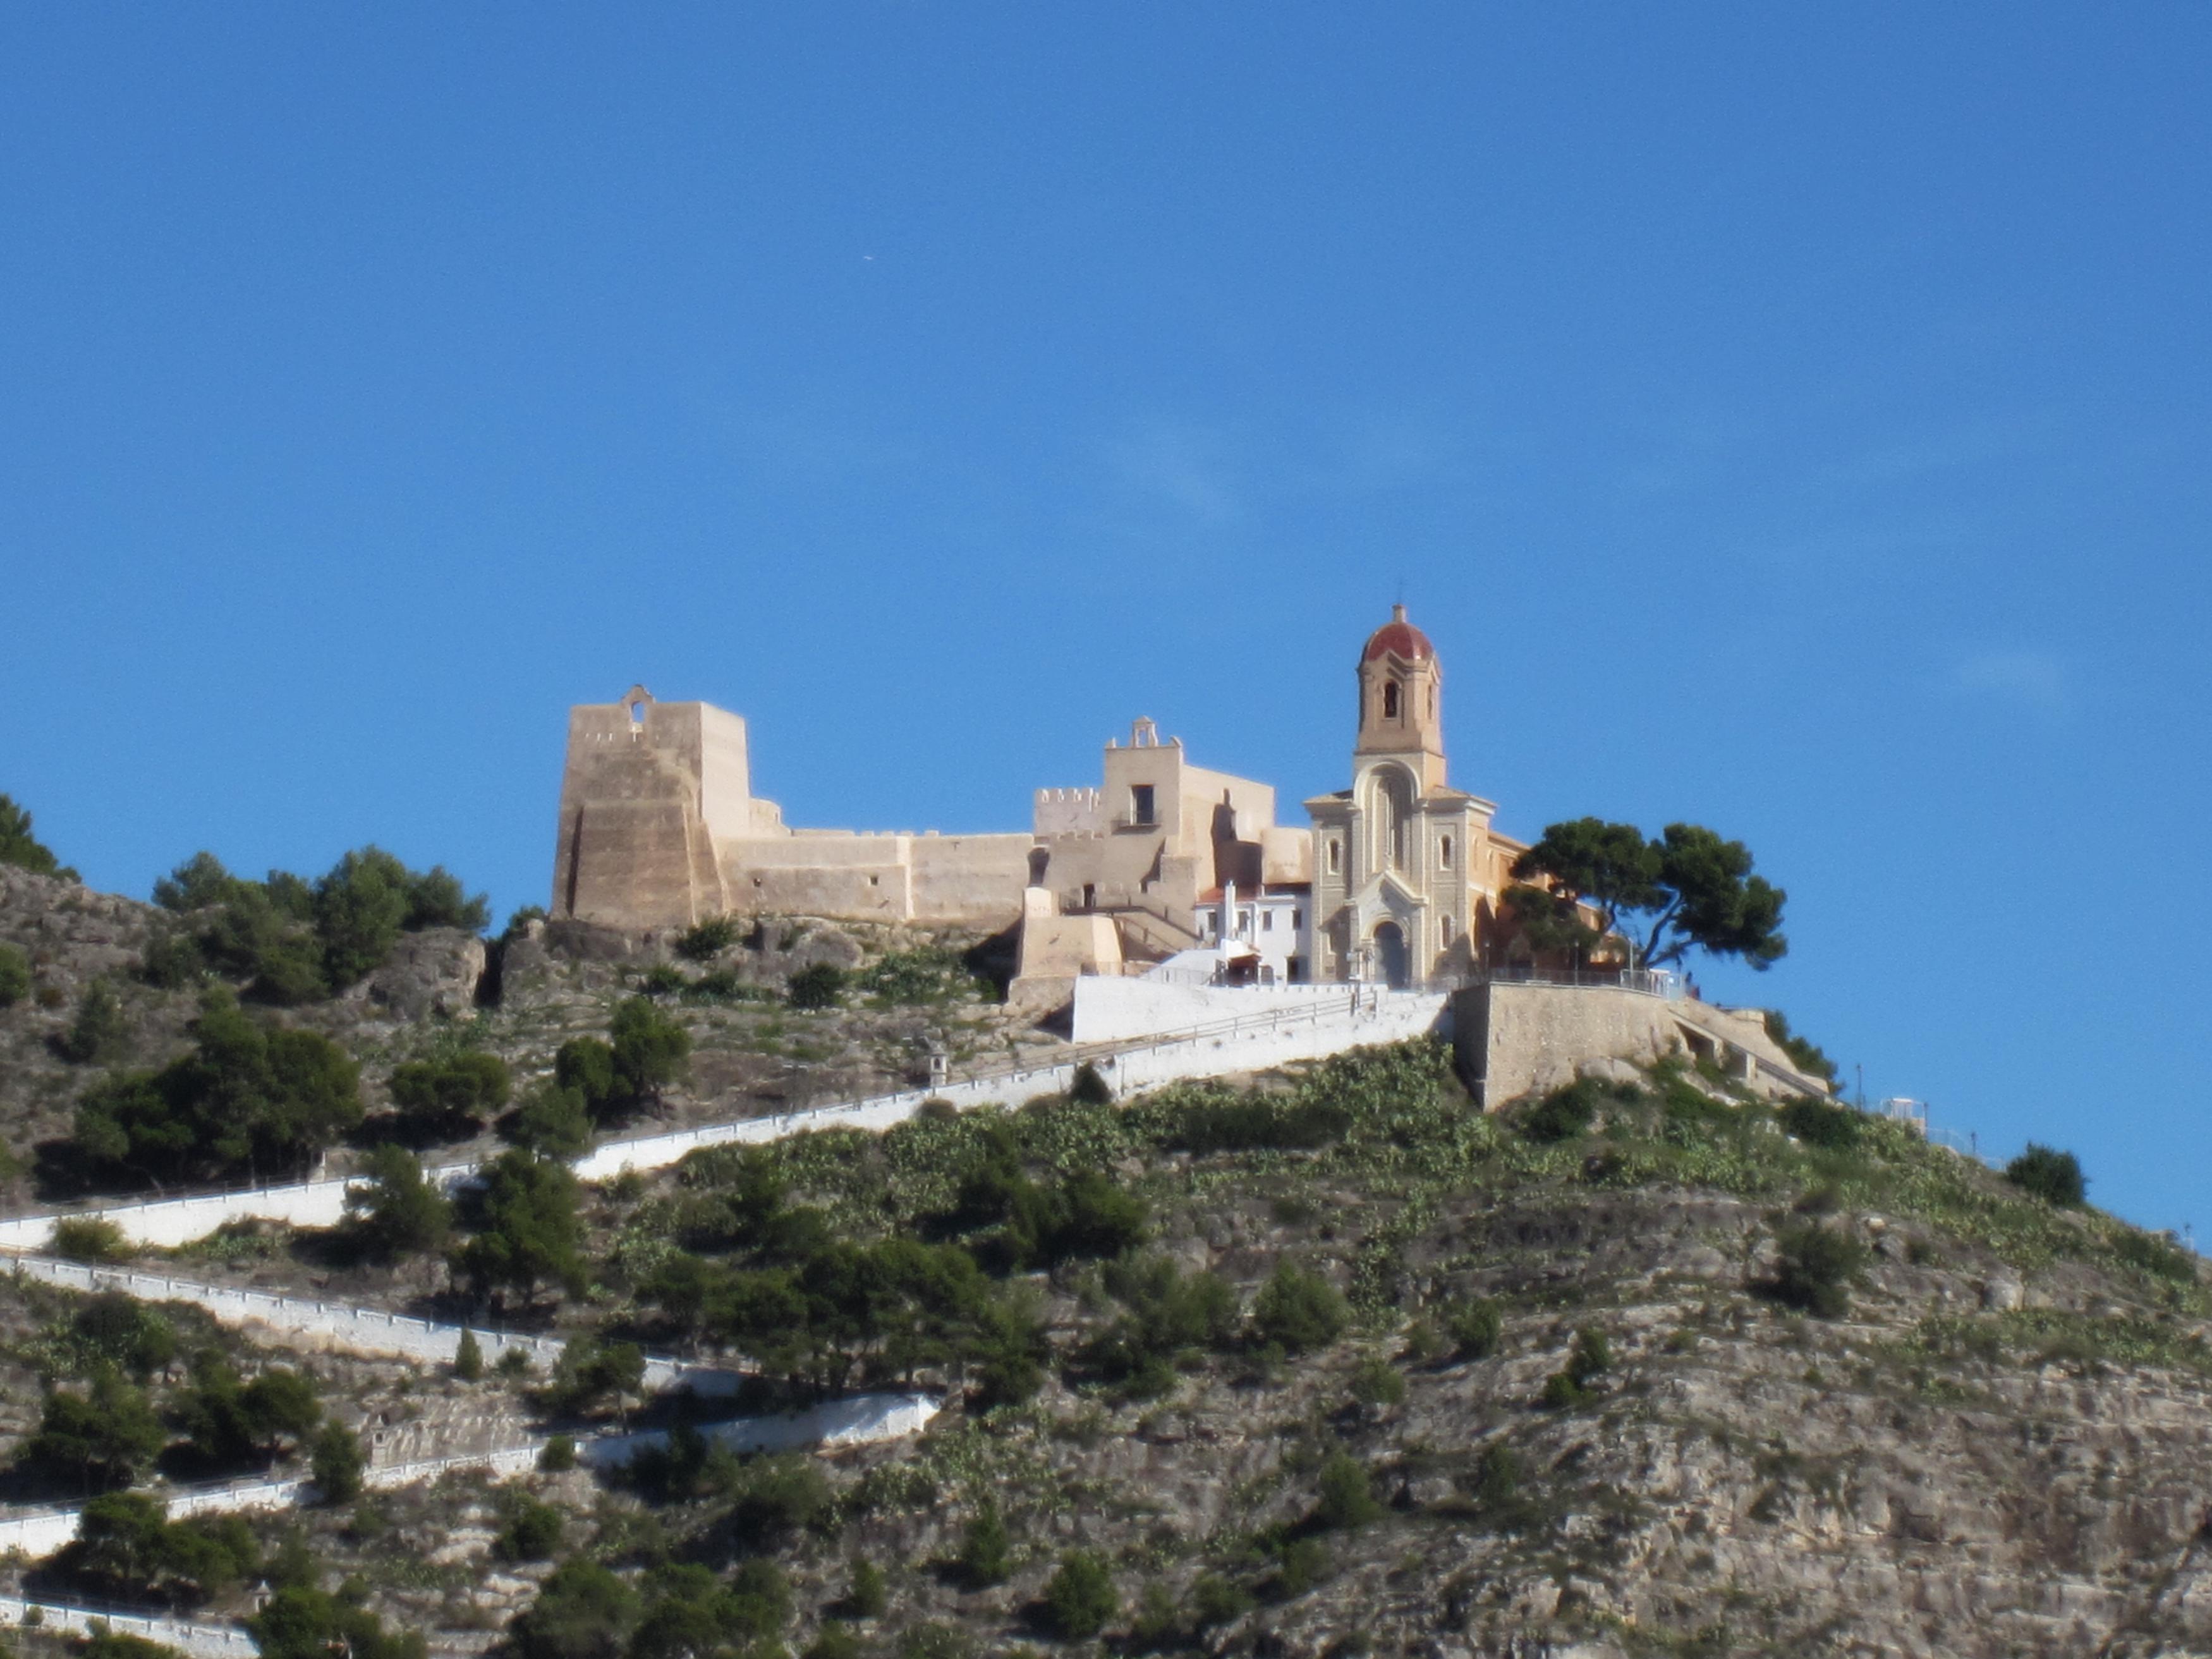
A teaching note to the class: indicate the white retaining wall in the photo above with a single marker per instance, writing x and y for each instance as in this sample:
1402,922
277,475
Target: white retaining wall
862,1420
1267,1026
1112,1009
356,1329
206,1641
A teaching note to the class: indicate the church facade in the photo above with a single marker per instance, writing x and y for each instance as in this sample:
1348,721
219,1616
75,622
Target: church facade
1407,870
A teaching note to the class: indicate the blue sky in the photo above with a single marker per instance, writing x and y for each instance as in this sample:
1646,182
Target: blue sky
1792,421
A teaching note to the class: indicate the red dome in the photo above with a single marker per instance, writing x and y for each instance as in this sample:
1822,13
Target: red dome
1399,638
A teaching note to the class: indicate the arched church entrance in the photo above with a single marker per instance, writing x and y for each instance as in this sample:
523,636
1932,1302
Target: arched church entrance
1390,954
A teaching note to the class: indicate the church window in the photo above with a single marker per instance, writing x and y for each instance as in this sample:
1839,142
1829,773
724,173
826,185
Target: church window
1443,853
1335,856
1390,701
1140,804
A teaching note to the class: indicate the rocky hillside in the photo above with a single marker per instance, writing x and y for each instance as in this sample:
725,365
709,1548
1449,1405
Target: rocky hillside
1326,1363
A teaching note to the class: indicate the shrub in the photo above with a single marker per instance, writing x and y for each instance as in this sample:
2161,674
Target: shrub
592,1372
1375,1382
304,1623
554,1122
99,1035
336,1464
103,1439
1302,1564
867,1598
1815,1268
14,977
1476,1328
20,847
649,1052
172,960
985,1553
452,1095
932,1640
1222,1122
821,985
1562,1114
705,940
1817,1124
468,1357
834,1642
1589,1359
582,1611
559,1455
776,1497
1215,1600
1299,1311
2051,1174
531,1232
246,1097
532,1532
1090,1089
1079,1597
398,1212
663,980
1347,1499
89,1238
1803,1054
116,1329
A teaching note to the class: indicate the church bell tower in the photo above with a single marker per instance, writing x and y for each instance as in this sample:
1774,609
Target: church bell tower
1401,699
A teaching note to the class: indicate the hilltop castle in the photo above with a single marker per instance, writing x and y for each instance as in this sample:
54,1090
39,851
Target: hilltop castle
1395,880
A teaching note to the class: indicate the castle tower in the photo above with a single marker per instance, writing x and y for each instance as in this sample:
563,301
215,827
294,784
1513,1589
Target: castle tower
1403,864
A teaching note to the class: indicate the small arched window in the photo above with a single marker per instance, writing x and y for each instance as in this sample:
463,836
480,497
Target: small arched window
1390,701
1335,856
1444,931
1443,853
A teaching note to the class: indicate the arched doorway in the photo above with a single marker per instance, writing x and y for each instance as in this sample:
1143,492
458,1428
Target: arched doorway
1390,954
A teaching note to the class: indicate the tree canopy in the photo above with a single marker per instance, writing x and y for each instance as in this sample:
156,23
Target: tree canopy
1689,889
246,1097
20,847
292,940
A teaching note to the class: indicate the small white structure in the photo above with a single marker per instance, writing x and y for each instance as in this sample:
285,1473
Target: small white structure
1257,935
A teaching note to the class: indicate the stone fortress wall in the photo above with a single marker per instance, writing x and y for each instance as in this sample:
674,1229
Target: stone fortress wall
660,829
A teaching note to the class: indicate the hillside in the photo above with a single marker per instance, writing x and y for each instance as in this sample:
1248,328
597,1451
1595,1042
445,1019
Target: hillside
1317,1362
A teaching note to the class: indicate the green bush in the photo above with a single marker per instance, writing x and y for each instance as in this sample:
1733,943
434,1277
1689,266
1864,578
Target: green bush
932,1640
2051,1174
1564,1114
20,847
336,1464
1817,1124
106,1437
821,985
1080,1598
1347,1499
14,977
399,1210
1215,1601
1218,1120
247,1099
917,978
1476,1328
452,1095
594,1371
1814,1269
468,1358
986,1551
1299,1311
1806,1056
1377,1382
553,1121
532,1532
559,1455
99,1035
89,1238
529,1231
705,940
1589,1359
583,1611
1301,1564
663,980
1090,1089
834,1642
867,1596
